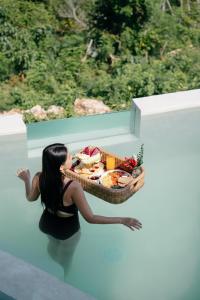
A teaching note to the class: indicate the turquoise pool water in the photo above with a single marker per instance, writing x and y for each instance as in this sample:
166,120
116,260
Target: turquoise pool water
111,262
5,297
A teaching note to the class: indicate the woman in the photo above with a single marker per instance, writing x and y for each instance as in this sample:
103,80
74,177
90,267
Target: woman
63,197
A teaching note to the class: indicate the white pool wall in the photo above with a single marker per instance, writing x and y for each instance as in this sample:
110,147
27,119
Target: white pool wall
13,144
157,104
12,124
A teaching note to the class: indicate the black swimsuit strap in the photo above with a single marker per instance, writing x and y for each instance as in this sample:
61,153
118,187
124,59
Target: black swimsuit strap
66,186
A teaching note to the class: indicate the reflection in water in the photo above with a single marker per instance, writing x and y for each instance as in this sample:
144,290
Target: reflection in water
62,251
63,235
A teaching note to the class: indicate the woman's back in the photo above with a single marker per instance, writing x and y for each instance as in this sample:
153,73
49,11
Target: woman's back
65,222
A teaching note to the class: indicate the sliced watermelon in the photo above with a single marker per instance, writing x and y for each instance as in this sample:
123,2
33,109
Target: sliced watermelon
95,151
86,150
91,150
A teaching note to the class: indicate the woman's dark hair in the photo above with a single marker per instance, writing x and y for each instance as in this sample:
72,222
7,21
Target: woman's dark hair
51,184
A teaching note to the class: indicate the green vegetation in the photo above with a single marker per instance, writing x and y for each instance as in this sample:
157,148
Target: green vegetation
53,51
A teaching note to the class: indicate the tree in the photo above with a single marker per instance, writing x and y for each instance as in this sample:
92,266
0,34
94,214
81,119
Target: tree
115,15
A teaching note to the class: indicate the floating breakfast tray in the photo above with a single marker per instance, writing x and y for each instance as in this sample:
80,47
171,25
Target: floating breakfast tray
110,195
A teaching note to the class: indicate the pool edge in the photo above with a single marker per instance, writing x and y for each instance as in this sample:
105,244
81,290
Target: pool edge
163,103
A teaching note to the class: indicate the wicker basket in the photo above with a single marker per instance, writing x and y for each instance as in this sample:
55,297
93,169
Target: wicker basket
110,195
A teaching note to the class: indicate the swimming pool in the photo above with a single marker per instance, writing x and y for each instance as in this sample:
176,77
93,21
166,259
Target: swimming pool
110,262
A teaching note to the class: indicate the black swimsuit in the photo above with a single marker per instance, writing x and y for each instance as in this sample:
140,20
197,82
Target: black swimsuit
60,227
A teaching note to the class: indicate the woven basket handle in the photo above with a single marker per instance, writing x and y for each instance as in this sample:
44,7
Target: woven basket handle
138,185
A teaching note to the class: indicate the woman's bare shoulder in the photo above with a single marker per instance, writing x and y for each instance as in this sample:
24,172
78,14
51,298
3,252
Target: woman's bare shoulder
76,185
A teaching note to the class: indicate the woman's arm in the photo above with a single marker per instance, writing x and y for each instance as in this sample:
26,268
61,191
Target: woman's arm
32,190
79,199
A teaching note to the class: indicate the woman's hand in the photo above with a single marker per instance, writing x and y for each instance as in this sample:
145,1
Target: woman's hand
24,174
32,190
131,223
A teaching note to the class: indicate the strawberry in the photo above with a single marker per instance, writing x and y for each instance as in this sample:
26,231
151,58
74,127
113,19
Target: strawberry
129,163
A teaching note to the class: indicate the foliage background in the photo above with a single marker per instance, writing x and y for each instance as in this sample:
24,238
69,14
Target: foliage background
53,51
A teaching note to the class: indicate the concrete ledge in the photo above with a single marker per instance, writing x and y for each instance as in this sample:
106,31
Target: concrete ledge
23,281
167,102
164,103
12,124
